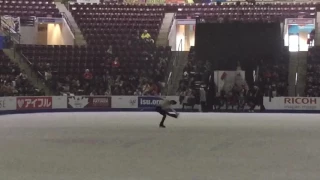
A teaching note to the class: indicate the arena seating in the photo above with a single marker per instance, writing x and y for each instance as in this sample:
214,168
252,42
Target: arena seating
273,79
115,24
138,67
265,11
13,81
192,77
121,25
313,73
141,67
22,8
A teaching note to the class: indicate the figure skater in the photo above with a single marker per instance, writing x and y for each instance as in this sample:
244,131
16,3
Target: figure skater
164,108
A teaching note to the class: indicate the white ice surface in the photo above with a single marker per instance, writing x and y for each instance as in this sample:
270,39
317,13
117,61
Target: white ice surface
130,146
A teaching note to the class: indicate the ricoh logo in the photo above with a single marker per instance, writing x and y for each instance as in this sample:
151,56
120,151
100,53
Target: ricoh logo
149,102
302,101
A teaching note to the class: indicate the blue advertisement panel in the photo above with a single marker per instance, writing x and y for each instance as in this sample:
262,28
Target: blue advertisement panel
148,101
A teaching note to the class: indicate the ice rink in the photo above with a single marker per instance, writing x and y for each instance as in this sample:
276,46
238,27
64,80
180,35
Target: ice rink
130,146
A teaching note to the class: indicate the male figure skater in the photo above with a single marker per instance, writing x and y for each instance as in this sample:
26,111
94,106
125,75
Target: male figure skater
163,109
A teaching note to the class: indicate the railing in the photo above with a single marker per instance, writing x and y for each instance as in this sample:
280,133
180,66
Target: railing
68,22
173,66
65,17
15,38
176,59
39,77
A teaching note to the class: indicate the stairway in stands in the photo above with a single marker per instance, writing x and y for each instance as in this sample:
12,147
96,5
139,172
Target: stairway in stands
79,39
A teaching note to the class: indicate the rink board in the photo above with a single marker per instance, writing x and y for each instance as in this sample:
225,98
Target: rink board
9,105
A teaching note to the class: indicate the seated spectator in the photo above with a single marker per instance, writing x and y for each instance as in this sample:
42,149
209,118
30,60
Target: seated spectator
137,92
310,41
109,51
146,36
87,75
47,75
108,92
93,93
23,75
116,63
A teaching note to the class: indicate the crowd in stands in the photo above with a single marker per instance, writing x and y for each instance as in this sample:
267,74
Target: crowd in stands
13,81
188,88
313,73
109,72
122,59
273,79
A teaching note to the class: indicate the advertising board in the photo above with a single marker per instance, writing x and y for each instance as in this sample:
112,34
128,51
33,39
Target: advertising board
153,101
38,102
291,103
124,102
7,103
89,102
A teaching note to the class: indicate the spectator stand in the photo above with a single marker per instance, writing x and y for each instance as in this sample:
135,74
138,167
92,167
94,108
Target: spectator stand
193,77
130,72
173,70
119,60
13,81
313,73
272,78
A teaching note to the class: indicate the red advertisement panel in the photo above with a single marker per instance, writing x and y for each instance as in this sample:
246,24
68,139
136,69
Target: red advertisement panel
99,102
89,102
34,102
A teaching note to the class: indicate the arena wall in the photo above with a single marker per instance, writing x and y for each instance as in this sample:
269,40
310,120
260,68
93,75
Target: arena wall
28,34
10,105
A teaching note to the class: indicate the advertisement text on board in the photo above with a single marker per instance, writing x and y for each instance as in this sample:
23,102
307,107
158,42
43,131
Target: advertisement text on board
150,102
297,100
34,102
100,102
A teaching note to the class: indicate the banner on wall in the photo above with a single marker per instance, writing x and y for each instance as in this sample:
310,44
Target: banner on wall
41,102
124,102
153,101
138,2
88,1
301,21
49,20
10,23
177,1
7,103
161,1
89,102
226,80
292,103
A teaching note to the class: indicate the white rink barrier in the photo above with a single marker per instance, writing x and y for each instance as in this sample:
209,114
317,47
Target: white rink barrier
292,103
134,103
83,103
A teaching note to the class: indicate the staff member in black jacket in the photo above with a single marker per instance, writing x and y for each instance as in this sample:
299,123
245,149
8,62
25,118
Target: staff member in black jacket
257,99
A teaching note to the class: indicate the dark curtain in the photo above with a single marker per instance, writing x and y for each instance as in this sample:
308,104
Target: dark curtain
225,44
